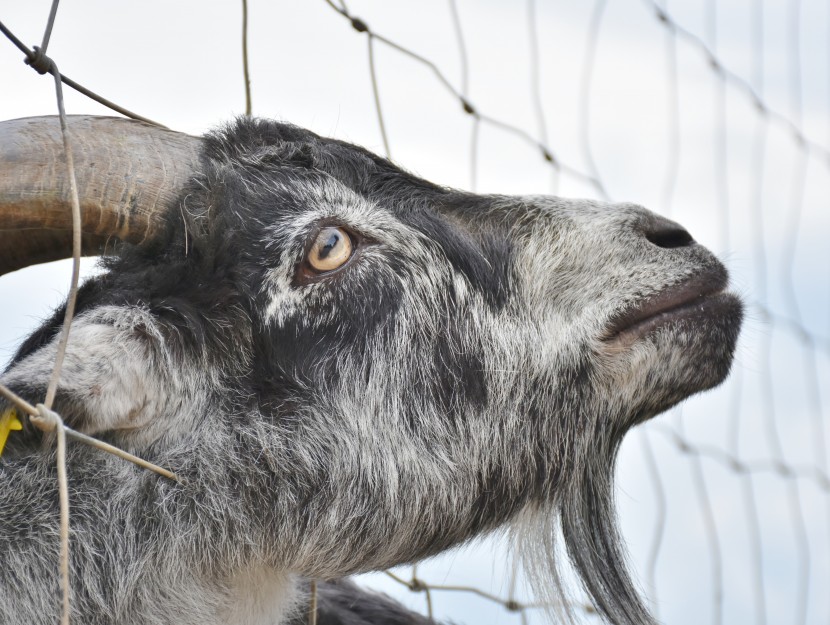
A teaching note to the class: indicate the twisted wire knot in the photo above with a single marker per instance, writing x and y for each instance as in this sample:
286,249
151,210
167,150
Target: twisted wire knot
41,63
513,606
46,420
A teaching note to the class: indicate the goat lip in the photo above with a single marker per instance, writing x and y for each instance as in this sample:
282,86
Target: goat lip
674,302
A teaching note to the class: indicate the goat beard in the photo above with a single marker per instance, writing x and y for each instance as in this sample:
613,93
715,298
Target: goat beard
583,519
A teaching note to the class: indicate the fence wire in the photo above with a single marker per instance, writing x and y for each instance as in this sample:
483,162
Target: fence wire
42,415
783,369
726,456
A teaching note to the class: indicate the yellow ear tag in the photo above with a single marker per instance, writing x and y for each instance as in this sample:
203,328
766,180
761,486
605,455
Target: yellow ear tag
8,422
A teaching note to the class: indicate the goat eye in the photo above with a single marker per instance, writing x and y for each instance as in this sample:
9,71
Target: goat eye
331,249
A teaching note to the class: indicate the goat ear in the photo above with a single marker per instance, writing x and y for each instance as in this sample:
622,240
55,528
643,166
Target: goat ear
108,381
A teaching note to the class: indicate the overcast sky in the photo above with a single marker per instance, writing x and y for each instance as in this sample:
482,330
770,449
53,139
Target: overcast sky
736,179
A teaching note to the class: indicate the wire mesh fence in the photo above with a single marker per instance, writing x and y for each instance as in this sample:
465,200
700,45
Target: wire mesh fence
713,114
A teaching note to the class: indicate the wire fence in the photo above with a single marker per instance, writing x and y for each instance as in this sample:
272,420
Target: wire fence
42,415
809,558
725,501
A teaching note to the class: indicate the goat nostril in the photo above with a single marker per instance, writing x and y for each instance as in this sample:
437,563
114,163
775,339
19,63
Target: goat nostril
669,236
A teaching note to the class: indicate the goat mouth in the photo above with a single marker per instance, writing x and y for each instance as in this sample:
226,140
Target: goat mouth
699,298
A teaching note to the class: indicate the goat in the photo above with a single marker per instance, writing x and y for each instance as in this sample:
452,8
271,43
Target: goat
351,368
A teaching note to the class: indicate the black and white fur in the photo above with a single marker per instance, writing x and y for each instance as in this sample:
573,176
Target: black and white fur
451,379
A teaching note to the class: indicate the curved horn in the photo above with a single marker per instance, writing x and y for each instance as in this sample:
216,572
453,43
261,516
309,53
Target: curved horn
128,173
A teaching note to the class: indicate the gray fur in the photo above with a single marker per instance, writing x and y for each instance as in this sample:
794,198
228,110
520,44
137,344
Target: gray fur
453,379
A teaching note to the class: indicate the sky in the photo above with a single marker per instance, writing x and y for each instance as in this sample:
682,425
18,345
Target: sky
653,117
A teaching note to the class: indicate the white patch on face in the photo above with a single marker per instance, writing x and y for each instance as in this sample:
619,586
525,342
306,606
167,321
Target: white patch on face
285,300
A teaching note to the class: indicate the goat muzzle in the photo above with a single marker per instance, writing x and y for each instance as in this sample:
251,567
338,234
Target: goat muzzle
129,174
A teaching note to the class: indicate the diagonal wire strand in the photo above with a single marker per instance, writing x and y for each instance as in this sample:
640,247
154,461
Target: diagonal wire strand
31,57
376,93
752,93
468,107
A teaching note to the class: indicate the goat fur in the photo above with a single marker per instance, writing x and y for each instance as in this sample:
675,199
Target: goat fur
453,378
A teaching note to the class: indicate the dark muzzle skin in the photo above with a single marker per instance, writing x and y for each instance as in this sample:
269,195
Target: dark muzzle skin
352,368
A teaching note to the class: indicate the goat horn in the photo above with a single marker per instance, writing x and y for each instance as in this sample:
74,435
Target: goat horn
128,173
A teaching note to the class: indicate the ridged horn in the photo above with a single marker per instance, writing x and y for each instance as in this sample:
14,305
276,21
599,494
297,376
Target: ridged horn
128,174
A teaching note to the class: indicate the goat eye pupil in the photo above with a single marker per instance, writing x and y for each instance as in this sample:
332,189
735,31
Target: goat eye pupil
332,242
331,249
